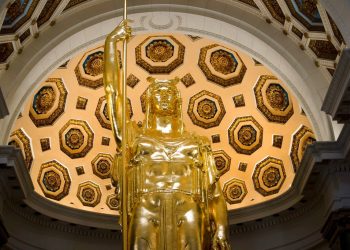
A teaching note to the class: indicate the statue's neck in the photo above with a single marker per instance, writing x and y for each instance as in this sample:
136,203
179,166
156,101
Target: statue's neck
167,126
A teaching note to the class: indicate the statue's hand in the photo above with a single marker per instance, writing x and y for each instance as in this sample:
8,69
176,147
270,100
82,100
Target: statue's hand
121,32
220,241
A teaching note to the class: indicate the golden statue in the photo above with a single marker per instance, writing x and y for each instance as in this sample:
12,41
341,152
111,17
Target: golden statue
174,199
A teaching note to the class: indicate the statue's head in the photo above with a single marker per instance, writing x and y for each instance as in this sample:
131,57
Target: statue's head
163,99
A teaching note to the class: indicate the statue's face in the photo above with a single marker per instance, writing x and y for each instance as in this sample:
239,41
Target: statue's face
164,100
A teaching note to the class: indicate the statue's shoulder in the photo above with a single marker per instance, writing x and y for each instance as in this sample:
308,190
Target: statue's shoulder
200,139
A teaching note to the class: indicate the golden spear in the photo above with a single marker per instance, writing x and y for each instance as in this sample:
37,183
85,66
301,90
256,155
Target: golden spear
124,141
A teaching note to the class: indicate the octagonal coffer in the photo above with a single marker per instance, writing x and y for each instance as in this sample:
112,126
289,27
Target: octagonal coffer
113,202
89,194
54,180
76,138
89,70
102,165
222,162
206,109
21,140
268,176
221,65
234,191
301,139
160,54
245,135
48,102
273,100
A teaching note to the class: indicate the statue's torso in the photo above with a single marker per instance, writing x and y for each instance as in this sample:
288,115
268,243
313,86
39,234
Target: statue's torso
159,165
166,181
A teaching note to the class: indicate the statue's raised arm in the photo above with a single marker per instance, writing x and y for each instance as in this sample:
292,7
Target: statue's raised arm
112,77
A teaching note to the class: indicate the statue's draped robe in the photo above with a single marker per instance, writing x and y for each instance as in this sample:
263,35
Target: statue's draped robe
169,184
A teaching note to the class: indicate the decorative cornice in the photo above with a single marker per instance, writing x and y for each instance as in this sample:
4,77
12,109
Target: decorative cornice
41,220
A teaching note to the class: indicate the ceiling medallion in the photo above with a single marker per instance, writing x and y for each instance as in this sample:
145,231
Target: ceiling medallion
269,176
102,165
102,114
223,61
273,100
105,141
19,139
48,103
245,135
89,71
221,65
159,50
234,191
301,139
222,162
206,109
89,194
160,54
44,100
113,202
277,97
54,180
76,138
93,64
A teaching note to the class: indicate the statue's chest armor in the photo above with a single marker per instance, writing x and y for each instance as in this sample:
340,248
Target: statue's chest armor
166,165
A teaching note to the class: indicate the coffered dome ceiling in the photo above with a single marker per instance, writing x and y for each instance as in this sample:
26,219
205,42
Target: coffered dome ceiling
305,22
258,129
